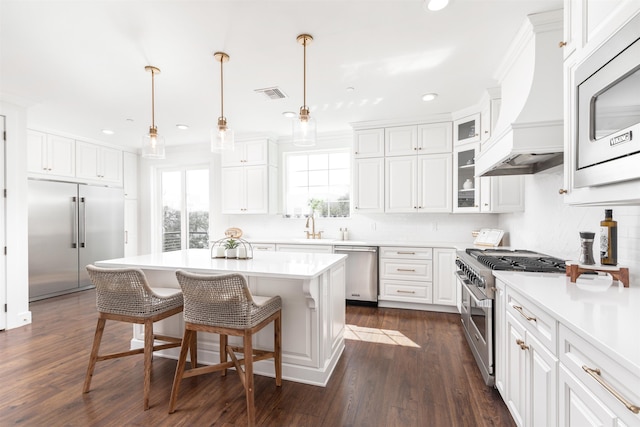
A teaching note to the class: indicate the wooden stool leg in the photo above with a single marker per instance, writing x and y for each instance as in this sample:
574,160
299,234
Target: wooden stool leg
277,348
182,360
193,349
248,379
148,359
223,351
94,354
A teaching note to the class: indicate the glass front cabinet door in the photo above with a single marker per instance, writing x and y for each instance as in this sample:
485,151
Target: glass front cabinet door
467,129
464,181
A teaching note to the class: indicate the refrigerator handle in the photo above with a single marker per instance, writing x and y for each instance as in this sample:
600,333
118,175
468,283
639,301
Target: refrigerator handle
74,227
84,223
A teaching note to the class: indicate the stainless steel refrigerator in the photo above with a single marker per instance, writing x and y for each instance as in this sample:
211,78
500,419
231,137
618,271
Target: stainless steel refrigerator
71,225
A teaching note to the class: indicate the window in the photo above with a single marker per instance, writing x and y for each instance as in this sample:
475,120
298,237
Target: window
317,182
185,209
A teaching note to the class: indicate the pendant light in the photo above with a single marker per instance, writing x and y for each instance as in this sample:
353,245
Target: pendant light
152,143
304,127
222,137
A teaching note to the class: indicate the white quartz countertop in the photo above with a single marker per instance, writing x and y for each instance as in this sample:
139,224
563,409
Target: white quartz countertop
610,316
264,264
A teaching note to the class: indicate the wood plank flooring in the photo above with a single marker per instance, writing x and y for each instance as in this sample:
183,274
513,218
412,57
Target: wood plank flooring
429,379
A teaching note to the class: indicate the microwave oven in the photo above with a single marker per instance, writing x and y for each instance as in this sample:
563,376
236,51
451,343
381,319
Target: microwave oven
607,105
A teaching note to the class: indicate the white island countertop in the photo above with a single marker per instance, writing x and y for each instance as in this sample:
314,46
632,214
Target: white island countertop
264,264
609,316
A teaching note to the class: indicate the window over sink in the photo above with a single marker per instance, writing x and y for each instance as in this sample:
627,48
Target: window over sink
317,182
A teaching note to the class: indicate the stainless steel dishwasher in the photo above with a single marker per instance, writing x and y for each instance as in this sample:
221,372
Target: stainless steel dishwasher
361,273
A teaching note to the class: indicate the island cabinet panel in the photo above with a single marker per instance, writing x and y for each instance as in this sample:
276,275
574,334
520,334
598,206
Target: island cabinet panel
312,289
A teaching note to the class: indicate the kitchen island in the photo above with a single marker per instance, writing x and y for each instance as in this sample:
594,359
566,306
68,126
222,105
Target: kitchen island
312,288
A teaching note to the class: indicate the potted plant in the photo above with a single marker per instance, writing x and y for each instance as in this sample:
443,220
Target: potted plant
231,248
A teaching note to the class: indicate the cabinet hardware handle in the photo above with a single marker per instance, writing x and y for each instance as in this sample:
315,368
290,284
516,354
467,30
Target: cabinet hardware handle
405,269
405,292
522,345
519,310
405,253
562,191
562,44
596,375
355,152
477,337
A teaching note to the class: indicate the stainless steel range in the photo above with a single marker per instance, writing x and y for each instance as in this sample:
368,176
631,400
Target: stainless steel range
475,267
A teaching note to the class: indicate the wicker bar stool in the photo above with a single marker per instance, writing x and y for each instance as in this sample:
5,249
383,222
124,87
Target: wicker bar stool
123,294
223,304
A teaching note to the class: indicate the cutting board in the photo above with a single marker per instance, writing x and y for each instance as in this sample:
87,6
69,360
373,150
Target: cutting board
489,237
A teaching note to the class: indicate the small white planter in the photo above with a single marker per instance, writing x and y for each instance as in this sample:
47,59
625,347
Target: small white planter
231,253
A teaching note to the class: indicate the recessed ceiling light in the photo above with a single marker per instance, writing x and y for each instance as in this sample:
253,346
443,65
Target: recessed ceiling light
289,114
429,96
435,5
107,131
182,127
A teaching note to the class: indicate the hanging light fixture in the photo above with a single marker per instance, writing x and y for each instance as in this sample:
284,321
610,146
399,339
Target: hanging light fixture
304,127
221,137
152,143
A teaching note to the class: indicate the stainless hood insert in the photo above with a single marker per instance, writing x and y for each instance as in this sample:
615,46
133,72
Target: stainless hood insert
528,136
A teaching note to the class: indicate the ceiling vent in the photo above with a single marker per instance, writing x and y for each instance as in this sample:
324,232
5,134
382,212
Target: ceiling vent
272,93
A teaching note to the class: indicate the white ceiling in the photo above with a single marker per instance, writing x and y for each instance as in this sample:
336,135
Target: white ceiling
79,65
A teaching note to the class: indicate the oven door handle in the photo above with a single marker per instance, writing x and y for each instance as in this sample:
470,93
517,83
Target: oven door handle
478,298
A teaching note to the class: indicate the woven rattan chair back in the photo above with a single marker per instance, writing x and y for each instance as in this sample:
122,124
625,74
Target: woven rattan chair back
224,300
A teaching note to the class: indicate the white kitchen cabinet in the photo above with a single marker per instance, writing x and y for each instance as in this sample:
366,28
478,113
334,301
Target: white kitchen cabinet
531,362
466,191
418,183
489,114
500,328
589,23
444,282
502,194
50,155
249,177
248,189
368,143
98,163
251,152
406,274
466,129
130,175
130,227
400,140
584,364
495,194
368,184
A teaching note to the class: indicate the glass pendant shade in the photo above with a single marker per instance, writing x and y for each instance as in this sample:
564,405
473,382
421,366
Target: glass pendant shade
153,145
222,138
304,131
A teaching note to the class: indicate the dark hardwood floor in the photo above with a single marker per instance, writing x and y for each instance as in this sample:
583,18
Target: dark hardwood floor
434,383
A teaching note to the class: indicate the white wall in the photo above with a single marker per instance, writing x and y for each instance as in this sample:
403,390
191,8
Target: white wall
548,225
17,266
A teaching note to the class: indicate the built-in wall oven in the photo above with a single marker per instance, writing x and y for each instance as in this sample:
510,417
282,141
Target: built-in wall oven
607,105
477,284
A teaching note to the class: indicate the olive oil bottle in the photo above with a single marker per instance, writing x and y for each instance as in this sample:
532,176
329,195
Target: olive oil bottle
608,239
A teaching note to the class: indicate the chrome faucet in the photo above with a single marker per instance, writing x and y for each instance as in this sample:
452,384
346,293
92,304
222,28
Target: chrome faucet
312,234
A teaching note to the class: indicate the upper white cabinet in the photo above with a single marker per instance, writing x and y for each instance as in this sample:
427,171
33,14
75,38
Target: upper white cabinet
248,178
368,143
493,194
251,152
400,140
587,25
50,154
368,184
466,129
98,163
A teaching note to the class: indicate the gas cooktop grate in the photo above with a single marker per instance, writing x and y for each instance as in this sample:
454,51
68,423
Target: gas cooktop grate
516,263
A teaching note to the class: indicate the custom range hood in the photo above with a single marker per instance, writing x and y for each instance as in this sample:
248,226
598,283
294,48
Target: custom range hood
528,136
